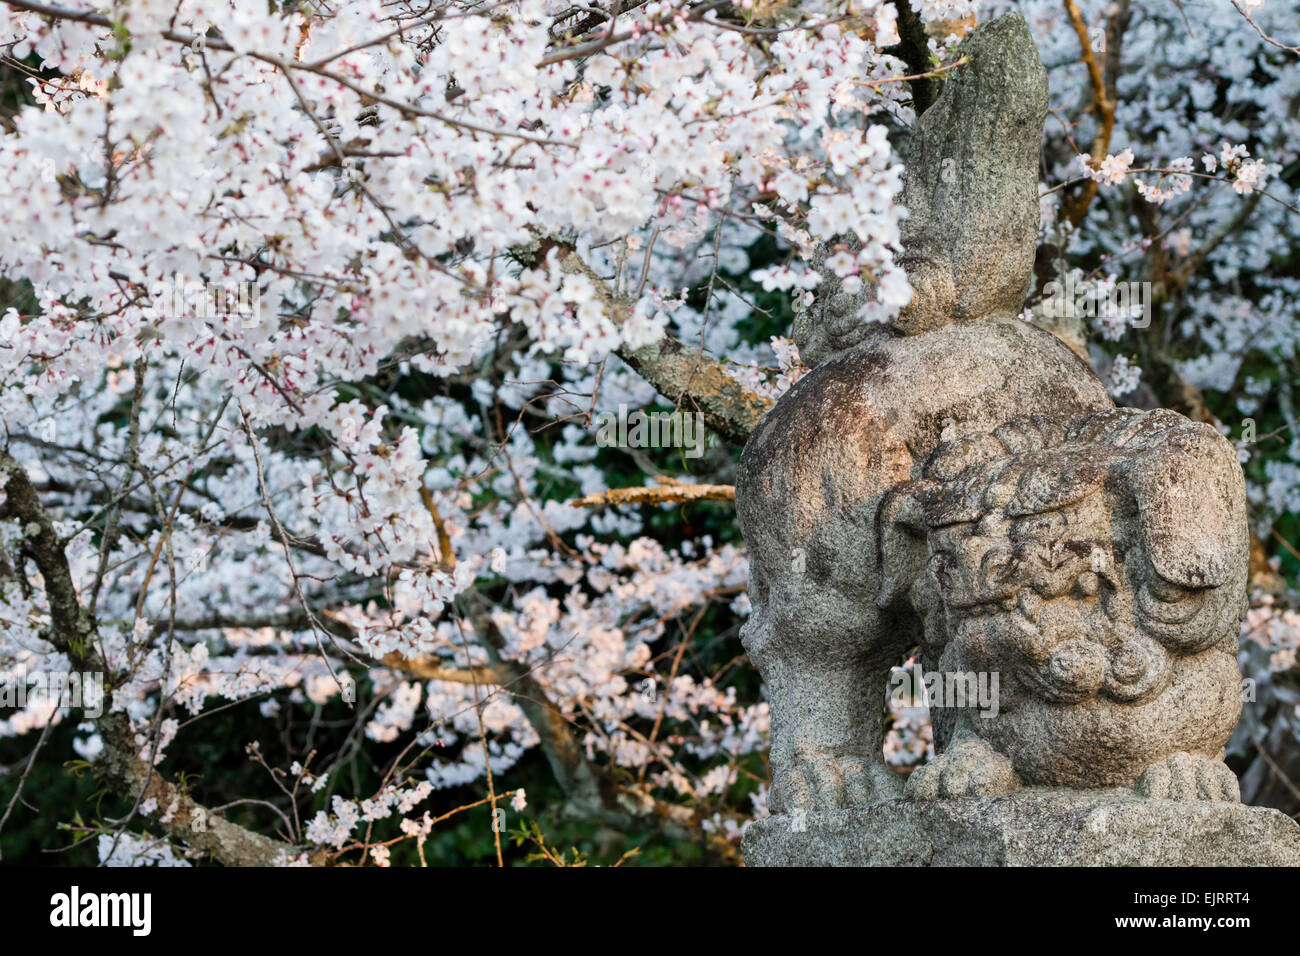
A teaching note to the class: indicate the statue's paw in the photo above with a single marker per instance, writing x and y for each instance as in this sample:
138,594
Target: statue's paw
1184,776
968,768
833,783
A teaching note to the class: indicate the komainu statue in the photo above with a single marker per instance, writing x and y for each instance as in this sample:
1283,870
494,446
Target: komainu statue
1100,566
960,481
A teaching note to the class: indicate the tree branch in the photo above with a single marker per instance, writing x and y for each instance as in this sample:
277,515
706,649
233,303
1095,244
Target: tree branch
913,48
670,493
681,372
72,632
1104,82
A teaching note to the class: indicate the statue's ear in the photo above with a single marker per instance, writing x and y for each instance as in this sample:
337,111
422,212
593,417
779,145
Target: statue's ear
903,547
1191,504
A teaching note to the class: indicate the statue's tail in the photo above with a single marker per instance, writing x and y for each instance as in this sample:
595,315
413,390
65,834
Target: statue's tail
971,190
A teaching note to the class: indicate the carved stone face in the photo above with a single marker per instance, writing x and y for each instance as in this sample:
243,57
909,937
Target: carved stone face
1092,566
1053,599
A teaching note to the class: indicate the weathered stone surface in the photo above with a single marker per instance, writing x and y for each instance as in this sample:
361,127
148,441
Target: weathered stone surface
1029,828
831,575
969,488
971,189
1098,566
1095,564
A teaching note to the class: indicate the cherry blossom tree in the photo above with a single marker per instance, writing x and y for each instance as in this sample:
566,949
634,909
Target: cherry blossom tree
310,314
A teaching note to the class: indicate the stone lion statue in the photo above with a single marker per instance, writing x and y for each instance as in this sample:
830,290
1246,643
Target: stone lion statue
960,481
1100,565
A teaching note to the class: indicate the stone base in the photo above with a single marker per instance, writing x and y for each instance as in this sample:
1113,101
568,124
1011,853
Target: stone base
1029,828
